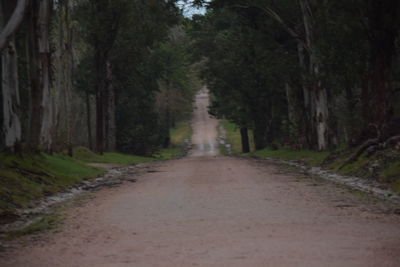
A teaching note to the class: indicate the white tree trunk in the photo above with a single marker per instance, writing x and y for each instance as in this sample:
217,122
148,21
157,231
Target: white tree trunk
321,117
10,90
318,93
8,30
11,101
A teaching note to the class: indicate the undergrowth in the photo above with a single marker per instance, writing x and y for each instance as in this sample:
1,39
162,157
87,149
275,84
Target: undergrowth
382,166
234,139
307,156
86,155
180,136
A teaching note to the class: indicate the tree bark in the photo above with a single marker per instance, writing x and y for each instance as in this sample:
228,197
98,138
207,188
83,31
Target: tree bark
245,140
110,123
103,35
10,88
7,34
100,99
384,25
40,72
89,120
318,93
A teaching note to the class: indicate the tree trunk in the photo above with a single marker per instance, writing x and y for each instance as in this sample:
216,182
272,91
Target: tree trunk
318,93
245,140
100,99
321,116
9,28
110,124
103,37
384,24
69,64
64,66
167,120
260,134
89,120
10,88
41,95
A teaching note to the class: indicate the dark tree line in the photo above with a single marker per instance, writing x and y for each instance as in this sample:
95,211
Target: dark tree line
304,73
91,73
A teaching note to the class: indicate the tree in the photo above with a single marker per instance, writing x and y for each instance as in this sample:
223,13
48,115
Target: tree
9,71
42,105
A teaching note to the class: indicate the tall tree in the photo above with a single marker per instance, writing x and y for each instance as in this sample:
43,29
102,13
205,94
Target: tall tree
9,72
42,101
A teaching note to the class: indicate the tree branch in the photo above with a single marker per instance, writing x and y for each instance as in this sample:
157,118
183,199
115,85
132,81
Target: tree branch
275,16
13,23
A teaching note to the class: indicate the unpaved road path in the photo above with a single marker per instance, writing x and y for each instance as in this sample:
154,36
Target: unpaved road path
210,210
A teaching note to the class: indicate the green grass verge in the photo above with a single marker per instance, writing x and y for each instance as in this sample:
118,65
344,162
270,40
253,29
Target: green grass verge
181,132
30,177
234,139
311,157
47,222
86,155
383,166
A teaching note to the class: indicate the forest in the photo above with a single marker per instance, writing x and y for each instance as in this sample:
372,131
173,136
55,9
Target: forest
200,133
118,76
308,75
305,74
107,75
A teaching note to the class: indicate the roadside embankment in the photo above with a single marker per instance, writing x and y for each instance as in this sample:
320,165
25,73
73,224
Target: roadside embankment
377,173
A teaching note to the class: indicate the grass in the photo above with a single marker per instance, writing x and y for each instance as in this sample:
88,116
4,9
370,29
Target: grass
180,135
30,177
26,178
391,174
85,155
383,166
234,139
47,222
311,157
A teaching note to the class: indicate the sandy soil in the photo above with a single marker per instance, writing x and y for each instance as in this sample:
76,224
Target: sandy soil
210,210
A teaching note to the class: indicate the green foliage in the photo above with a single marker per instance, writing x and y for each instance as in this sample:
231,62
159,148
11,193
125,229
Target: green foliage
246,69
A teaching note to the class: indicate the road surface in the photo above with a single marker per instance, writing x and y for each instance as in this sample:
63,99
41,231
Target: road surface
212,210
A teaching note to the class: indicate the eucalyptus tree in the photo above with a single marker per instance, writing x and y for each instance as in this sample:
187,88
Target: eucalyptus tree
11,16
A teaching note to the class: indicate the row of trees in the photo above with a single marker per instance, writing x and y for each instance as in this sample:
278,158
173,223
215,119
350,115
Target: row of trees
306,73
93,73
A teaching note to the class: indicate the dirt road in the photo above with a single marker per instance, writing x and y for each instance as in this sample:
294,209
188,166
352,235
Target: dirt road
210,210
